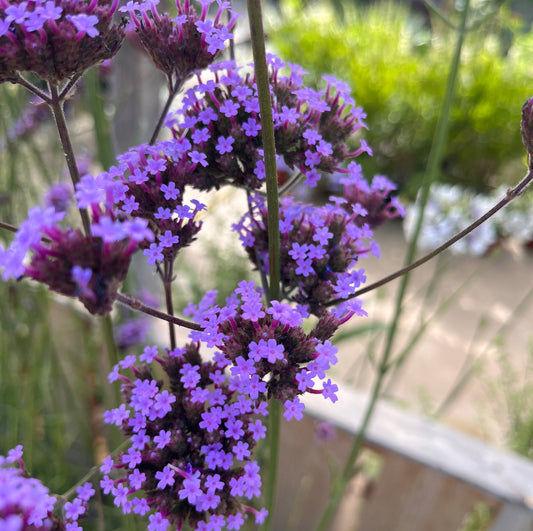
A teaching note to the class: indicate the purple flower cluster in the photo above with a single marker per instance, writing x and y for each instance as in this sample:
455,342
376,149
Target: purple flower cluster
191,445
270,354
319,248
374,202
220,121
181,45
55,39
153,179
90,267
26,505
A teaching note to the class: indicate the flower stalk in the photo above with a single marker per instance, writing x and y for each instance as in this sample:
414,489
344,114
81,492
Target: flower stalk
269,151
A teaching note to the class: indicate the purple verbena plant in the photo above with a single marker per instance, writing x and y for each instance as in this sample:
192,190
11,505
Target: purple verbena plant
192,415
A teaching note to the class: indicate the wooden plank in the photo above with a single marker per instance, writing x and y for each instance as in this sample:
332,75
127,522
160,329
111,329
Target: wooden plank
408,496
304,478
505,476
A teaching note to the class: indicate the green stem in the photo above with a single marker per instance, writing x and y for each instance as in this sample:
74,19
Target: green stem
109,339
273,444
56,104
104,143
93,471
435,157
112,398
269,150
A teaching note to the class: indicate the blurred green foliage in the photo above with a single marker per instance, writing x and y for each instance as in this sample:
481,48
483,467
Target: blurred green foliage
397,68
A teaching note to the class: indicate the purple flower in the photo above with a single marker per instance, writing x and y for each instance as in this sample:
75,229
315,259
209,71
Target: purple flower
24,502
190,451
168,239
163,439
170,191
311,127
84,24
165,477
319,247
75,509
85,492
224,145
56,42
158,523
293,409
174,44
154,254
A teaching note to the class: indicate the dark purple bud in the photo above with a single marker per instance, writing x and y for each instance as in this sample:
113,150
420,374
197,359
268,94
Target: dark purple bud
526,125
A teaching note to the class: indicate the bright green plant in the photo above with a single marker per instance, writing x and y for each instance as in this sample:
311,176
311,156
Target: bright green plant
397,68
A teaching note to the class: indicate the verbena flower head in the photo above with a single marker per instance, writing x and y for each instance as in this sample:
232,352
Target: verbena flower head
220,121
153,179
181,45
191,443
56,39
89,267
374,203
26,504
269,353
319,250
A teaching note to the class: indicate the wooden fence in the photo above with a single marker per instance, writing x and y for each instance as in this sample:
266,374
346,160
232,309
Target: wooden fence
429,479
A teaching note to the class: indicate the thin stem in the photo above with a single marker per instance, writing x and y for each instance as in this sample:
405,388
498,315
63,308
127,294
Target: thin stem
171,95
56,104
269,151
136,304
511,194
273,445
440,14
33,89
69,85
167,284
269,148
231,41
291,184
109,339
94,470
434,160
8,226
112,351
102,129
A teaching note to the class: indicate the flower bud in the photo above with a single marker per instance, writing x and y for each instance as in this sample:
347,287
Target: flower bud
526,125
